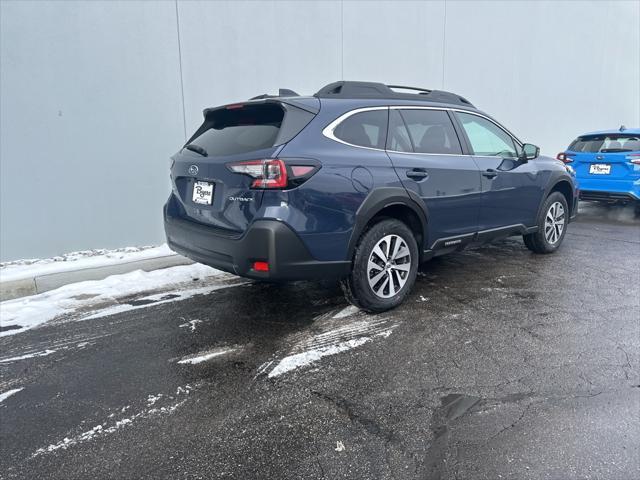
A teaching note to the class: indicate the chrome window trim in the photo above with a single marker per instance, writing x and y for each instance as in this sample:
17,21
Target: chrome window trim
328,131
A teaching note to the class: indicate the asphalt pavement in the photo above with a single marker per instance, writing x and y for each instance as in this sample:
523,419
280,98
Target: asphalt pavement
500,364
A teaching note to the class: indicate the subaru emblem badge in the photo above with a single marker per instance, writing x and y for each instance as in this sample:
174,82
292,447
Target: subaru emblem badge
193,170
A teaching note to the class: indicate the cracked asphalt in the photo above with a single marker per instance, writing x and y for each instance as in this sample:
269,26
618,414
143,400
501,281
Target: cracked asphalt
500,364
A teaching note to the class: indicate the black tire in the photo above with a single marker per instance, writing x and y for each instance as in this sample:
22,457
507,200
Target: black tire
539,242
637,209
356,286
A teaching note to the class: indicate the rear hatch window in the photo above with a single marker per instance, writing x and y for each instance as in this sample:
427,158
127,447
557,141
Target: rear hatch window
244,128
240,130
612,143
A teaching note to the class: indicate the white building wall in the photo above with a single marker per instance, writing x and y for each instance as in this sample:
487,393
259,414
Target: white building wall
95,96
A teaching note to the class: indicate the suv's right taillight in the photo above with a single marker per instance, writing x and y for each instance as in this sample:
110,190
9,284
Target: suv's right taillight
565,157
276,173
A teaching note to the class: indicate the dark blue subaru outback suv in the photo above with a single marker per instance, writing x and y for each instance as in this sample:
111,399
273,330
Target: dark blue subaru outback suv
360,182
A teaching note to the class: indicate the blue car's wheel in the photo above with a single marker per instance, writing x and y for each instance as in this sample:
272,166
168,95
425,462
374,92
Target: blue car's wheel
552,225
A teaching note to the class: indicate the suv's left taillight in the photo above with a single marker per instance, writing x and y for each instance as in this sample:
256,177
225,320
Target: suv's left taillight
276,173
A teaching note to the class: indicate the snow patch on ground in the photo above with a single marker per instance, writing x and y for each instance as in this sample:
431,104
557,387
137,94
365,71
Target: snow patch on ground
208,355
191,324
5,395
43,353
107,427
347,311
19,269
310,356
95,299
330,338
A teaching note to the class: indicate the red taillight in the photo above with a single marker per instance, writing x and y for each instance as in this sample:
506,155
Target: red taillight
266,173
634,158
564,157
274,173
261,266
234,106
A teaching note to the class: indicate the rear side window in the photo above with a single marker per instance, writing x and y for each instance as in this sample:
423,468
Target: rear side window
365,129
487,139
606,143
431,131
398,138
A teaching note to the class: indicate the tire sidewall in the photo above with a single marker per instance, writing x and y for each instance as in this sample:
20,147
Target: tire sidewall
359,283
551,199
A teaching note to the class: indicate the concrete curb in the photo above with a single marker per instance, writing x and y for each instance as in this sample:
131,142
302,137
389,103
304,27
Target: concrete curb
43,283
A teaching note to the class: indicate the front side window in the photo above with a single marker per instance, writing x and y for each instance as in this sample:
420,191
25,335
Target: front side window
487,139
431,131
365,129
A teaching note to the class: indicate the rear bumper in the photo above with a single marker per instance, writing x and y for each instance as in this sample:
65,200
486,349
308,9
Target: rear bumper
609,197
609,190
265,240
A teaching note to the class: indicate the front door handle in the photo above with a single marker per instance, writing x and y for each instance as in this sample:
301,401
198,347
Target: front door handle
417,174
490,173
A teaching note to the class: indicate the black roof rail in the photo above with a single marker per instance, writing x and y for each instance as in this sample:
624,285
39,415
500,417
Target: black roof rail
349,89
282,92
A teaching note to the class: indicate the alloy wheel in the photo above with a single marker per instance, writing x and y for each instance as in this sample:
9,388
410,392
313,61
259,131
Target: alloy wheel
554,223
388,266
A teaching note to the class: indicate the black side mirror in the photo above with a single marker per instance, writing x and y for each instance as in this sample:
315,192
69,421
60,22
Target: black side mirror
529,152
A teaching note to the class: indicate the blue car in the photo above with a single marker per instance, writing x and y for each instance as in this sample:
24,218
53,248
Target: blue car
360,182
607,165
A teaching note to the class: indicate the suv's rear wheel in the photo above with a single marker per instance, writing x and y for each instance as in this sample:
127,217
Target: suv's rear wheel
384,267
552,225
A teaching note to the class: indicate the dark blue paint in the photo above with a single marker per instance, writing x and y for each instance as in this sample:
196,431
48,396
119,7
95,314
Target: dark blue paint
454,195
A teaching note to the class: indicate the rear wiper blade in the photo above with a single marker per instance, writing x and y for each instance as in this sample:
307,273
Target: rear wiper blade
197,148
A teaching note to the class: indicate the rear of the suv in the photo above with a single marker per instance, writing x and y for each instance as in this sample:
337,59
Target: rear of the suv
230,205
607,165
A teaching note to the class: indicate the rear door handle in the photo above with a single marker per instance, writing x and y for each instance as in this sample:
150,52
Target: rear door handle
491,173
417,174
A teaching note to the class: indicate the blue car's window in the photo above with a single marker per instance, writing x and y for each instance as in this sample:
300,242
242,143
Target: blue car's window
431,131
366,129
606,143
486,137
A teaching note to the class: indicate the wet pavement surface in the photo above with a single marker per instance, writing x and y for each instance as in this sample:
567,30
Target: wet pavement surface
500,364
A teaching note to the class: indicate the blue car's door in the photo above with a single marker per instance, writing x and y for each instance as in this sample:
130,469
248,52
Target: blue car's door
427,155
511,189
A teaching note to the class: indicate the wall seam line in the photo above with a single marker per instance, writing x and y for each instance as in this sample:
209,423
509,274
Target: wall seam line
184,115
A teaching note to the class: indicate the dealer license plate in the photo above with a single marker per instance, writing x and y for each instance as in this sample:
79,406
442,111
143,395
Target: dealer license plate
202,193
600,169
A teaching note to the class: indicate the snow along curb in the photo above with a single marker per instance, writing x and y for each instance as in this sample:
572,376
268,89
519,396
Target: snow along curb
23,287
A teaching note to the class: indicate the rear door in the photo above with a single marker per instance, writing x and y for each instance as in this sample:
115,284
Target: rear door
209,192
427,155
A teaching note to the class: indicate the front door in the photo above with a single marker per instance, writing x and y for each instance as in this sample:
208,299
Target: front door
427,155
511,188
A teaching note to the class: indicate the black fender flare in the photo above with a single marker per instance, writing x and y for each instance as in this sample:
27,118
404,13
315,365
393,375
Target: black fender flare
376,201
554,180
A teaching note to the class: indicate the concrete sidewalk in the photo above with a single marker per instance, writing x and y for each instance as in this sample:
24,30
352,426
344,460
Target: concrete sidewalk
39,283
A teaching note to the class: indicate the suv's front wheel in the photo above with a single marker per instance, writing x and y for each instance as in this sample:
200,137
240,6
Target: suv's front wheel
384,267
552,225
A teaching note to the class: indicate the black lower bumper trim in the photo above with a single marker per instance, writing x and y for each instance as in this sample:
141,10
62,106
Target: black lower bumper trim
265,240
612,197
